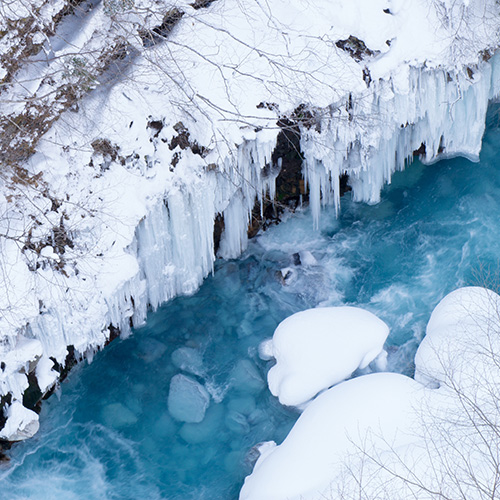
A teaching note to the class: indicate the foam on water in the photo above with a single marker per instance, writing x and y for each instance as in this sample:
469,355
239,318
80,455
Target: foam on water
111,436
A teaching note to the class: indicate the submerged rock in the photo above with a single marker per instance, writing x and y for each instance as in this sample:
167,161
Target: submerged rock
195,433
188,359
246,377
118,415
188,400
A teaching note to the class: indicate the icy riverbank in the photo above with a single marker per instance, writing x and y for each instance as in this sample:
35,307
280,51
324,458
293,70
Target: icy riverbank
116,212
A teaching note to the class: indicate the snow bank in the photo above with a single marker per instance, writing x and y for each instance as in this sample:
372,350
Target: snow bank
16,363
372,410
389,433
317,348
462,341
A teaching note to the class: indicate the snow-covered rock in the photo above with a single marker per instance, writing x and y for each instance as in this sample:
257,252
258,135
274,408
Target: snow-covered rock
462,341
317,348
46,376
21,423
16,363
372,410
388,433
188,400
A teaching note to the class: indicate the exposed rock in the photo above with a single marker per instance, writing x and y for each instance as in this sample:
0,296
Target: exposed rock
182,140
160,32
218,230
201,4
32,395
287,157
356,48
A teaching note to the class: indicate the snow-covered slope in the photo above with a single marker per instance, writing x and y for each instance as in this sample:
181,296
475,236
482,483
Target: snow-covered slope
145,144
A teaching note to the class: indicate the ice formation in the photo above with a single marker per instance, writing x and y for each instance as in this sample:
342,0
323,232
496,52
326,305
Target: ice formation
317,348
21,423
116,211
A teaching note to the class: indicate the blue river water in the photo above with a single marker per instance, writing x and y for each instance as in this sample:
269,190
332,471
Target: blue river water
108,433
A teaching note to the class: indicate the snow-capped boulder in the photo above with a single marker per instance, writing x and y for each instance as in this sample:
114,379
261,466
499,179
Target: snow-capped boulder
379,409
462,341
21,423
317,348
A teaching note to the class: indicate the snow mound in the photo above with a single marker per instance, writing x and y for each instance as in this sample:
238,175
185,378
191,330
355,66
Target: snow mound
335,425
46,376
21,423
461,341
317,348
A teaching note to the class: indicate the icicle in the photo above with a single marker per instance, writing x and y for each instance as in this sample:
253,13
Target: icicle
444,112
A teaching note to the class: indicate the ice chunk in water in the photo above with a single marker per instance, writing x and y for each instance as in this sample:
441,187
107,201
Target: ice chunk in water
307,258
266,350
189,360
187,399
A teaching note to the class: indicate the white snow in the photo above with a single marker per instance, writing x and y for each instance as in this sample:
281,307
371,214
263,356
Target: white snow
21,423
307,258
317,348
373,408
16,363
461,341
46,376
388,433
188,400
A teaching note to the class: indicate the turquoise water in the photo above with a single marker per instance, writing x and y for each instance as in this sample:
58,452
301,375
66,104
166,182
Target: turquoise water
109,433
